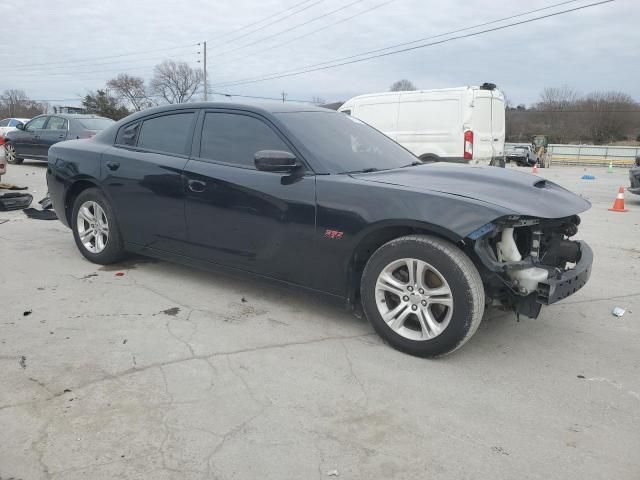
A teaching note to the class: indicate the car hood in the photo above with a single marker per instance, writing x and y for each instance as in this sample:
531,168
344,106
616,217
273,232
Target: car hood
521,193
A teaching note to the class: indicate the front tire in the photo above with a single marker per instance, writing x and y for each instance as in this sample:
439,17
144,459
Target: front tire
422,295
11,154
95,228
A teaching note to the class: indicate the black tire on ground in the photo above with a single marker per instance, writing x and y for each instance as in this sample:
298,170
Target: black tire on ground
114,248
10,155
456,268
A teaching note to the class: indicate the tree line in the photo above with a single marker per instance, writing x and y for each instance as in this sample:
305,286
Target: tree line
566,116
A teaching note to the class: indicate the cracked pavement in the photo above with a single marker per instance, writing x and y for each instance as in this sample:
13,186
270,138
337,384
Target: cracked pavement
167,372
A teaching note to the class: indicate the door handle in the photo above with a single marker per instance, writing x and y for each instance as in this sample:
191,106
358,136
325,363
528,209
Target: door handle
61,136
196,186
496,139
111,165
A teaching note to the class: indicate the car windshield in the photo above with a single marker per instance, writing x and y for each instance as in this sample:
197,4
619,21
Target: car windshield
95,123
345,144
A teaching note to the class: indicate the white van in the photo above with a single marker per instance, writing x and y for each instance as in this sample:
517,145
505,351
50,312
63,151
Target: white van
464,124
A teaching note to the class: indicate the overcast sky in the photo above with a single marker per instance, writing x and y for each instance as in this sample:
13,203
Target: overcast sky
592,49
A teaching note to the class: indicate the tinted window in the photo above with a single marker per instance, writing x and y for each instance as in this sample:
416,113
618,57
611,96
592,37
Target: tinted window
4,123
128,135
95,123
57,123
343,143
169,133
36,123
232,138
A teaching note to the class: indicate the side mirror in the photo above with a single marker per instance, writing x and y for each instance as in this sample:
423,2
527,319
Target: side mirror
20,126
275,161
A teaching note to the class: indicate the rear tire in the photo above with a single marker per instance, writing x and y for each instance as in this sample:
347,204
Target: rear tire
427,313
95,228
11,154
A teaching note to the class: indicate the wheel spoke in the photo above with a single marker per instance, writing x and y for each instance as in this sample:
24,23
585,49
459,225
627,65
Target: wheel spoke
398,320
411,267
420,270
389,283
86,236
100,242
434,328
439,291
447,301
85,214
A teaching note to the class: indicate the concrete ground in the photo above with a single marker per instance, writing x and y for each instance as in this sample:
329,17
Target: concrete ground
167,372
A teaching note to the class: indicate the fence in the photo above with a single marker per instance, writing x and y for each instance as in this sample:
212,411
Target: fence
593,155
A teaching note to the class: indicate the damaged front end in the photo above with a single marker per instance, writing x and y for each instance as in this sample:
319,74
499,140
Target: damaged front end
529,262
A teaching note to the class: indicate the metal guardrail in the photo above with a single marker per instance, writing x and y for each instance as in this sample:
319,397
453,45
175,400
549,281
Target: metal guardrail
593,155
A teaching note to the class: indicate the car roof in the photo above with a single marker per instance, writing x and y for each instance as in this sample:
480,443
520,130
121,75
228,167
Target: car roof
256,107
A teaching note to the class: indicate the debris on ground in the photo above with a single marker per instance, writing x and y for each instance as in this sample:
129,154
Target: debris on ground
11,186
124,342
588,177
172,312
26,313
333,473
40,214
119,274
15,201
243,300
581,376
46,203
23,361
618,312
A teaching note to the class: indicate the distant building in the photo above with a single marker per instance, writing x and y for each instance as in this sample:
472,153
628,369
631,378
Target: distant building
66,109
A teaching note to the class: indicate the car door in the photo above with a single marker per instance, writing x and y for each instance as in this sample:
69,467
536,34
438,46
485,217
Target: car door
56,131
26,140
142,175
263,222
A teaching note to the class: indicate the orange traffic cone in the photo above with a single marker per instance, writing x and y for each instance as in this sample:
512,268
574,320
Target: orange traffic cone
618,204
535,168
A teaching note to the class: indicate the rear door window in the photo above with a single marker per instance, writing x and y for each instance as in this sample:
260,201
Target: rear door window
128,135
57,123
4,123
235,139
167,134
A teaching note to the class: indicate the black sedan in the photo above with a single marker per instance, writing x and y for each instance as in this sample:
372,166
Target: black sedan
316,199
33,139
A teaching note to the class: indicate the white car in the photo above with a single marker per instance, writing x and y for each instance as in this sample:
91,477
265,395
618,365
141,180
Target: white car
462,125
9,124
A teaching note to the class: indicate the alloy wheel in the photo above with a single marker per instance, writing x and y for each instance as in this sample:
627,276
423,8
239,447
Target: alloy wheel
92,226
10,151
414,299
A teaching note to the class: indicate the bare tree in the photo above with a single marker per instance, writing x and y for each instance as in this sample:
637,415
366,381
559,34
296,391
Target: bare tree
175,82
403,85
131,90
16,103
318,100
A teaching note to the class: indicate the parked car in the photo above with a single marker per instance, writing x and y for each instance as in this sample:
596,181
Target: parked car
634,178
462,125
3,160
33,139
9,124
313,198
523,155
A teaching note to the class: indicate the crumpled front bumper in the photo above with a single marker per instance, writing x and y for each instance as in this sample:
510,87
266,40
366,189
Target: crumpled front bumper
566,283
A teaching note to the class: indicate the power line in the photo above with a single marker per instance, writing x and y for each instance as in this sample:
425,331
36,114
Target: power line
103,58
332,64
271,23
191,45
375,7
230,95
289,29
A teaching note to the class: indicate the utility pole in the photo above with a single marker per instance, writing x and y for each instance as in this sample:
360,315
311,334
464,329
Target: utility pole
206,86
284,96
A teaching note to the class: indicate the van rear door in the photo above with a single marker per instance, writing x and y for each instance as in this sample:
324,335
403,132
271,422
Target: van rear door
481,127
497,126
